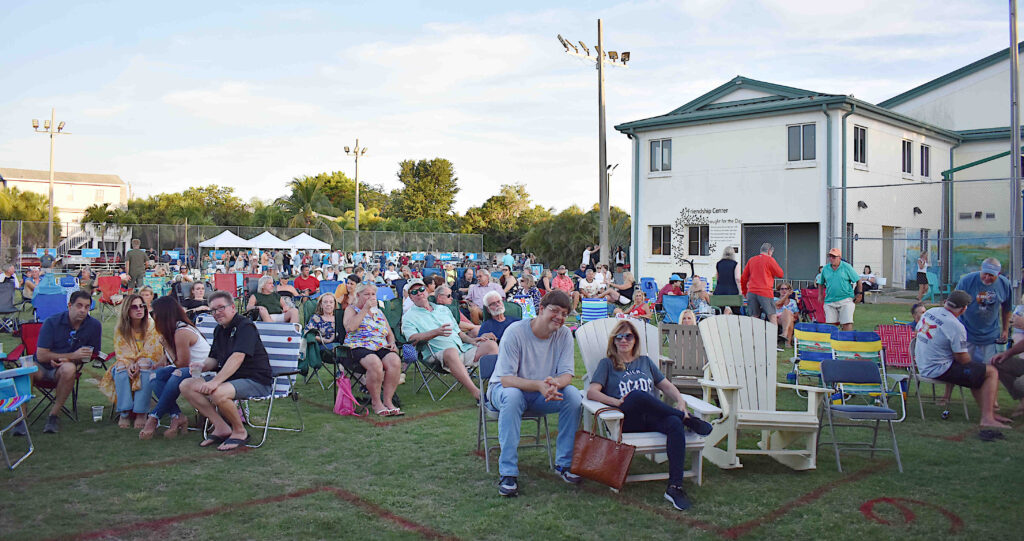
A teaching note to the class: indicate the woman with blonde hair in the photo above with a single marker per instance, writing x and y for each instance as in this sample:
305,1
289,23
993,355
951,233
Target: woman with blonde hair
787,311
545,284
629,381
700,301
374,351
138,353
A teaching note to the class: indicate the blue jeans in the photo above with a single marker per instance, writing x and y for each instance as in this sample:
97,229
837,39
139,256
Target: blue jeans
165,385
645,413
128,400
511,403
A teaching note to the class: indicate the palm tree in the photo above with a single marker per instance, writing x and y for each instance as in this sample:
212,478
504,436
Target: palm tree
309,206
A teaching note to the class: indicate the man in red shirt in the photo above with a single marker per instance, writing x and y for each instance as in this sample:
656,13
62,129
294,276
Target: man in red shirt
563,282
758,283
305,284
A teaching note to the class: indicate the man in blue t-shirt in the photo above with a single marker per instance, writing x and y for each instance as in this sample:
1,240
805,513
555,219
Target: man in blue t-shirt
987,318
66,341
941,353
498,321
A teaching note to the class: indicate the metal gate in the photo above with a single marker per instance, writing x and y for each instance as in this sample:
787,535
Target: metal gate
756,235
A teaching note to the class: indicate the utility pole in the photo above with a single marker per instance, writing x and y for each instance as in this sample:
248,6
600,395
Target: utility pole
51,128
601,58
1016,211
356,152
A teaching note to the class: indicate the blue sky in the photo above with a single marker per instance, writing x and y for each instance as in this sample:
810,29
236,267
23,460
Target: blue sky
252,94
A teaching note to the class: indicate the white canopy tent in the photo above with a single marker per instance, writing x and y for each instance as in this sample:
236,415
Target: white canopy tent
226,239
304,241
266,240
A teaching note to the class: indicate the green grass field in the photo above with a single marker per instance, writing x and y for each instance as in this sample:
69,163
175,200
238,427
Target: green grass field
419,476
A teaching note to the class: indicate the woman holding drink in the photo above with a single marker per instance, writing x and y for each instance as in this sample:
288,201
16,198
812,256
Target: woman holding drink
187,350
374,352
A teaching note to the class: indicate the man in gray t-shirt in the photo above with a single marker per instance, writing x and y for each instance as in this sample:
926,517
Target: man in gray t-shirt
533,373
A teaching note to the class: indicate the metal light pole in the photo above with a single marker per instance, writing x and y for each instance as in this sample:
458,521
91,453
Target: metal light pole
356,152
51,128
1015,195
611,58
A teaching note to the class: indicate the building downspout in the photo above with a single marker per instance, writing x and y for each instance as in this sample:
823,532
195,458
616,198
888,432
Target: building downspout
830,221
634,224
946,245
842,225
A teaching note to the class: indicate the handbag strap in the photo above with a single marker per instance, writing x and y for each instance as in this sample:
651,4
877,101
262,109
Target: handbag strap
597,415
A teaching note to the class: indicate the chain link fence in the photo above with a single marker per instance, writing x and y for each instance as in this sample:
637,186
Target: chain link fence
20,237
955,223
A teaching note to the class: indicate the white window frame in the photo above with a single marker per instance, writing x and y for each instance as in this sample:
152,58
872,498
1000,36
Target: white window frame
907,157
863,145
701,242
802,131
666,233
926,161
660,165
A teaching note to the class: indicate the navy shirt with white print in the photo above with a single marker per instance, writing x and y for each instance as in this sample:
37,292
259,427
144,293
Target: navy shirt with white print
640,375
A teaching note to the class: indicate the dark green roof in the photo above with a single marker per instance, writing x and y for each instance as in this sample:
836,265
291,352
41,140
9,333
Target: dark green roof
784,99
987,134
989,60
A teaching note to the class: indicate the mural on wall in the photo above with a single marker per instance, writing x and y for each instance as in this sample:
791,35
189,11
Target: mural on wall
722,231
913,252
969,249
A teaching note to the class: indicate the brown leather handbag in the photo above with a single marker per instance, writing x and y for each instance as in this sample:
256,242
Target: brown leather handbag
601,459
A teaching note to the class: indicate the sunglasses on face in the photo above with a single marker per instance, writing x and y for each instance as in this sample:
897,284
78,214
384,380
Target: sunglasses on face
416,290
784,289
138,307
627,336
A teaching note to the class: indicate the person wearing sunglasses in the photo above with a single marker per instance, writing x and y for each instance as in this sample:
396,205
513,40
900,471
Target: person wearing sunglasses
629,381
138,353
447,345
788,312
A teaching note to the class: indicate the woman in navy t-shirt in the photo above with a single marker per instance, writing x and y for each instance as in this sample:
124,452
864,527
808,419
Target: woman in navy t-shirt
628,381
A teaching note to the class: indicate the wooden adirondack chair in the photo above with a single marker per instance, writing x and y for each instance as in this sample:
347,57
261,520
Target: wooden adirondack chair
684,364
742,367
593,343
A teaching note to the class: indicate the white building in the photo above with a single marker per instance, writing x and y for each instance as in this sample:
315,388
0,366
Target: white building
72,192
752,162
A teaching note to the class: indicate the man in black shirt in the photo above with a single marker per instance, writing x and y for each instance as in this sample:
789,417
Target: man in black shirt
243,371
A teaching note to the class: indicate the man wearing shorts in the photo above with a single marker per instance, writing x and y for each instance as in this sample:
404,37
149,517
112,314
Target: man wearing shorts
839,279
446,344
243,371
941,353
757,283
987,318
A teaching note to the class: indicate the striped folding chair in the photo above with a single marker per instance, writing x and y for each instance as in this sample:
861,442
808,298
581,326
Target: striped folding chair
283,342
15,392
593,310
867,346
812,343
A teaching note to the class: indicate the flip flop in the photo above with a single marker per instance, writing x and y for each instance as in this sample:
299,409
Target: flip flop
384,412
212,440
990,435
395,412
238,443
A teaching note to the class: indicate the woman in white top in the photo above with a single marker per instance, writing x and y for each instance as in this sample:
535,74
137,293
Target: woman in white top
922,275
184,346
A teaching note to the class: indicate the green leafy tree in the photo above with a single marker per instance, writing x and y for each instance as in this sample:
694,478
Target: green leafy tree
504,218
308,205
559,240
428,188
267,214
341,192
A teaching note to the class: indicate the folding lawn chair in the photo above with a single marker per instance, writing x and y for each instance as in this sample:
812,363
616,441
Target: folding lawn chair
811,309
649,287
674,306
7,307
15,392
385,294
593,310
283,342
110,289
841,375
489,416
46,305
226,282
918,379
812,343
867,346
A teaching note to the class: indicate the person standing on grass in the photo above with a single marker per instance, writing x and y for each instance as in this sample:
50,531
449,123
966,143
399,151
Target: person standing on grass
839,278
922,275
534,373
941,353
243,371
135,261
987,318
758,281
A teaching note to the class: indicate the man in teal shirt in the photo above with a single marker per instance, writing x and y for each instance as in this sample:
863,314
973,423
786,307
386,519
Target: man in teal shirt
839,278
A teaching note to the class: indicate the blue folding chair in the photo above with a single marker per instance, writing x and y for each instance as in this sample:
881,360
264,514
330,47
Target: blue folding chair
48,304
838,373
674,306
327,287
15,392
428,272
385,294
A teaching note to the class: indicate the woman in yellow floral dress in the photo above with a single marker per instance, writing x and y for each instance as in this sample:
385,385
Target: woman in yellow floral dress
138,353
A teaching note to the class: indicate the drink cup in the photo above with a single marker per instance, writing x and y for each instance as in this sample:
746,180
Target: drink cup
196,369
97,414
89,349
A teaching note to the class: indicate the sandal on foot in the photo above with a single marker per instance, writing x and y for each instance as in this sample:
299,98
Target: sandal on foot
179,425
147,431
212,440
383,412
395,412
237,442
124,422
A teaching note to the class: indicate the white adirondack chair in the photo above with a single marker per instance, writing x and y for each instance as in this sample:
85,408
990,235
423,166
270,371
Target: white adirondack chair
742,368
593,343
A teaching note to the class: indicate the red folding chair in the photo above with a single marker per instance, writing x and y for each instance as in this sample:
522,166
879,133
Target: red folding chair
896,343
109,286
811,307
226,282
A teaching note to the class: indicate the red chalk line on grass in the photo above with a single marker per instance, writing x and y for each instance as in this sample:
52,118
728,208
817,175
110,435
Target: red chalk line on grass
868,510
342,494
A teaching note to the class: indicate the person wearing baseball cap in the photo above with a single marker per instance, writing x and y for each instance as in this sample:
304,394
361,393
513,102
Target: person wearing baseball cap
941,353
839,279
987,318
